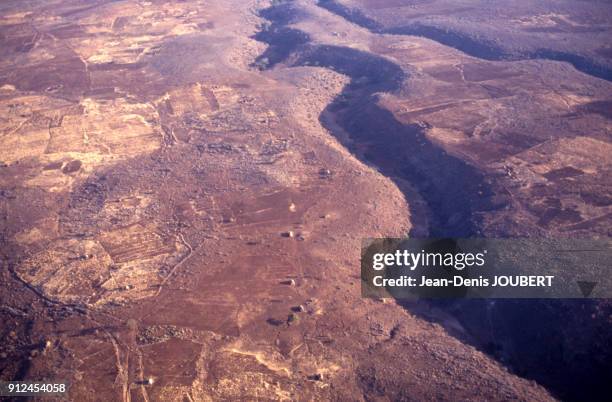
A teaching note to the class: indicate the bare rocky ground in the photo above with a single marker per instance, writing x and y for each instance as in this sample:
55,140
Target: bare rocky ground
564,30
539,128
170,211
511,146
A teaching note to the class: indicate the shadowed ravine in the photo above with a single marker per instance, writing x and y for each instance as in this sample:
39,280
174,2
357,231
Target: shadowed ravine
522,334
455,192
481,49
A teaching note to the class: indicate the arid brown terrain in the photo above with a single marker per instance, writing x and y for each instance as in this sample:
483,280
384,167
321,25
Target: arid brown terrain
184,186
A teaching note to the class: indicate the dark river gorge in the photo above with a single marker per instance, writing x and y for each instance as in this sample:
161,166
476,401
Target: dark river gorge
535,338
